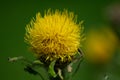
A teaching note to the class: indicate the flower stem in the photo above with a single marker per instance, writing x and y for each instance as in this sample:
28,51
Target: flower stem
56,78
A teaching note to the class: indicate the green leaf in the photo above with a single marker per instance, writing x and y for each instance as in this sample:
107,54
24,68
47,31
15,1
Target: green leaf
51,69
14,59
60,73
37,62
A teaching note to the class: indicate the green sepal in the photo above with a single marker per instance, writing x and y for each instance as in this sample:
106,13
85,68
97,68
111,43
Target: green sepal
37,62
51,69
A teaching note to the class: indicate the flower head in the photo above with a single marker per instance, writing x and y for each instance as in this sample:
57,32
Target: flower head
54,36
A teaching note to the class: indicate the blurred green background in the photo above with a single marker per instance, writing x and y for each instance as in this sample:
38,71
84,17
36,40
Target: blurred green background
15,14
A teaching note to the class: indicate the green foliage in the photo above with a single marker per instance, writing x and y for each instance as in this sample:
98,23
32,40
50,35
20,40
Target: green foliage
51,69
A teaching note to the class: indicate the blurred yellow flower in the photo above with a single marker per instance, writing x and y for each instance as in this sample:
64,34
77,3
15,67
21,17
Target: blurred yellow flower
54,36
100,45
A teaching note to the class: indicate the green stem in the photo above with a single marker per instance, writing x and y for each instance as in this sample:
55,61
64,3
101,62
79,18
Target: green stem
56,78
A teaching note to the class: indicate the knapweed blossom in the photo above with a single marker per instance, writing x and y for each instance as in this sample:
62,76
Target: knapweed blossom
54,36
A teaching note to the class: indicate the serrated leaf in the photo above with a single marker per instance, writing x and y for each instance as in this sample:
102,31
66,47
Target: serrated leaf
51,69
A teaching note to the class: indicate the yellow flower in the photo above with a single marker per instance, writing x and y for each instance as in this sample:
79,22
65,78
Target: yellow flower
100,45
54,36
